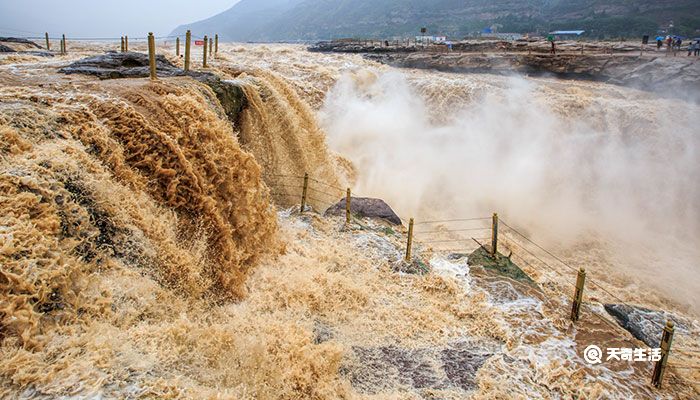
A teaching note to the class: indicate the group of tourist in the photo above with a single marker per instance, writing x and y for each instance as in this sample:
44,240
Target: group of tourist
674,43
694,48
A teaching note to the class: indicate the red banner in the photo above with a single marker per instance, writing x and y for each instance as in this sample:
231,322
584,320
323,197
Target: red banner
199,42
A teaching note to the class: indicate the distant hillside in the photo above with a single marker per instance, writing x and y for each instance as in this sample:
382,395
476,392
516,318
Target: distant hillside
273,20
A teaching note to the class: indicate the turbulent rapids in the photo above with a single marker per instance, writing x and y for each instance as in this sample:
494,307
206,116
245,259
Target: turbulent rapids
151,245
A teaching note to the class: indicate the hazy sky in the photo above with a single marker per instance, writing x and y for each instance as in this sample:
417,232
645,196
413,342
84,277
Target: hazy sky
100,18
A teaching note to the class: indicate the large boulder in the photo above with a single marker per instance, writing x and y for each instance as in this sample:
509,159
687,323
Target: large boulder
367,208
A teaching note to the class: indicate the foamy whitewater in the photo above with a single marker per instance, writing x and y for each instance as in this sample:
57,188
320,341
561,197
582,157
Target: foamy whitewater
151,248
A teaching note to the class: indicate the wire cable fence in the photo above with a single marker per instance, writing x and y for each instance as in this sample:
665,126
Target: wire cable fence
455,235
514,245
561,262
308,190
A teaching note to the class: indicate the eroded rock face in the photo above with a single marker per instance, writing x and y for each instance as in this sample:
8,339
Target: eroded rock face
366,207
649,73
643,323
375,46
677,76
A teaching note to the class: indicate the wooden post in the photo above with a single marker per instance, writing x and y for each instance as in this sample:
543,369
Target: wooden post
211,46
660,367
494,235
578,295
188,39
177,47
48,45
216,44
63,38
152,55
304,192
126,43
204,60
122,47
348,198
409,243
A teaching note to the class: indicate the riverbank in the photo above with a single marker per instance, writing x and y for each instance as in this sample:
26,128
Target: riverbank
616,63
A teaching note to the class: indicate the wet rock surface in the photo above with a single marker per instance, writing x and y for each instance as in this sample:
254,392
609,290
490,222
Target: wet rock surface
453,366
115,65
499,264
643,323
366,207
415,267
19,41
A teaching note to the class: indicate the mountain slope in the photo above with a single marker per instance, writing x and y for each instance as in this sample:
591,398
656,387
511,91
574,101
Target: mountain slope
247,20
269,20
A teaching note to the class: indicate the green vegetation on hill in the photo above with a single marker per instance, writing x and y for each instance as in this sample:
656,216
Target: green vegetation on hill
271,20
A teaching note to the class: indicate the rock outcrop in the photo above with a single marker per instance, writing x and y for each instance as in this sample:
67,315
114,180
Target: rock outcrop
649,73
643,323
366,208
23,46
20,41
115,65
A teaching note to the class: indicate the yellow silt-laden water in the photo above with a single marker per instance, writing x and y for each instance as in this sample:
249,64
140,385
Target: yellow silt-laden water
145,253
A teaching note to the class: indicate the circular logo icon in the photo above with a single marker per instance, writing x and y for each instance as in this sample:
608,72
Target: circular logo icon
593,354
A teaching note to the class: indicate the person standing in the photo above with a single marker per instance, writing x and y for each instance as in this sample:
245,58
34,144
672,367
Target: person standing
697,48
553,50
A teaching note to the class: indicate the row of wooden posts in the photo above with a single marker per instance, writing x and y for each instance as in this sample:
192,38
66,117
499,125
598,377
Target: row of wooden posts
577,301
62,43
668,330
211,45
304,193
